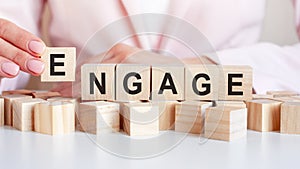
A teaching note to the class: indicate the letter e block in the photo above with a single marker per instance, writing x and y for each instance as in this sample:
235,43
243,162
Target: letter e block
60,64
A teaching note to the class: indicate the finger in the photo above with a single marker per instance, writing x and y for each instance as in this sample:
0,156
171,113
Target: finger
21,38
27,63
8,68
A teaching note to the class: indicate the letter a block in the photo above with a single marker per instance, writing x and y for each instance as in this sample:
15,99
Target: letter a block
54,118
132,82
60,64
235,83
98,82
167,82
290,117
201,82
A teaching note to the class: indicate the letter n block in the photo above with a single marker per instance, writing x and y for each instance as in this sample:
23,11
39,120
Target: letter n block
201,82
235,83
98,82
132,82
60,64
167,82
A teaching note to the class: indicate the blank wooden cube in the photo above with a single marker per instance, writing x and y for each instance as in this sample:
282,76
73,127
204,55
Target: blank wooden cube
190,116
225,123
290,118
140,119
23,112
132,82
60,64
282,93
235,83
99,117
1,111
238,104
201,82
167,114
8,108
98,82
264,115
167,82
54,118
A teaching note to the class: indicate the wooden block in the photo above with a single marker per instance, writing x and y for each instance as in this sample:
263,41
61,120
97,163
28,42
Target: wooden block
60,64
23,112
167,82
45,95
278,93
132,82
235,83
225,123
190,116
261,96
238,104
98,82
167,114
201,82
75,103
21,91
99,117
264,115
54,118
290,118
8,108
140,119
1,111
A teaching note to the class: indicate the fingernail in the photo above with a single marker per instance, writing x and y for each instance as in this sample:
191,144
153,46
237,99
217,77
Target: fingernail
10,68
36,47
35,66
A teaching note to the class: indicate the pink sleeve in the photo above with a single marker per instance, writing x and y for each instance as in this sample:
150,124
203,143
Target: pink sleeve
26,14
274,67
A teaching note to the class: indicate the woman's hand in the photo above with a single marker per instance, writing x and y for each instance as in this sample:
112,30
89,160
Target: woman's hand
19,50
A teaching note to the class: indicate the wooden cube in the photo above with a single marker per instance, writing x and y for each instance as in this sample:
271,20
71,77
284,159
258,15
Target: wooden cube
45,95
60,64
140,119
54,118
190,116
201,82
290,118
167,82
8,108
99,117
238,104
167,114
23,112
264,115
98,82
225,123
235,83
261,96
132,82
21,91
1,111
282,93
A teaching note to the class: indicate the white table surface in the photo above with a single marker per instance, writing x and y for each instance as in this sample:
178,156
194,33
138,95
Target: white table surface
37,151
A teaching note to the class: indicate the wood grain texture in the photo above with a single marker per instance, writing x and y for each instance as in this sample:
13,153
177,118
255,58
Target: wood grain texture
225,123
8,108
97,70
191,72
121,71
140,118
282,93
45,95
264,115
23,113
20,91
54,118
167,114
1,111
290,118
161,72
190,116
99,117
261,96
238,104
69,64
246,81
